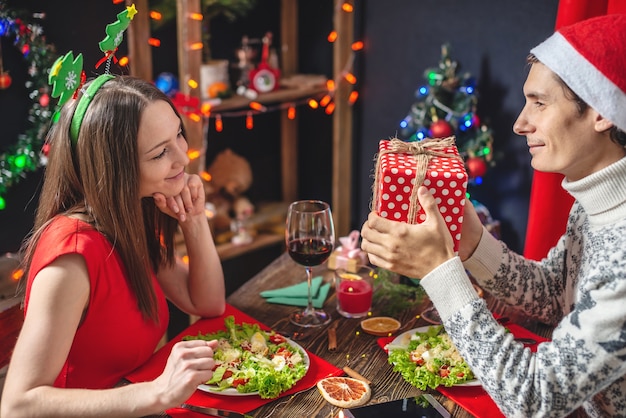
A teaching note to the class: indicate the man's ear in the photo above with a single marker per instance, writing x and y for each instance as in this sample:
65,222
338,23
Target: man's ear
602,124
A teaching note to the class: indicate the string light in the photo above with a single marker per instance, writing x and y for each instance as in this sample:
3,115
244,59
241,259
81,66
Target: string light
219,125
313,104
332,36
330,108
193,154
257,106
325,100
347,7
291,112
196,16
350,78
354,95
155,42
249,121
192,83
357,46
195,46
206,176
155,15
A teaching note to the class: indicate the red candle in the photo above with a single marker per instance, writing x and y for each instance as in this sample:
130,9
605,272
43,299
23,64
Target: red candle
354,296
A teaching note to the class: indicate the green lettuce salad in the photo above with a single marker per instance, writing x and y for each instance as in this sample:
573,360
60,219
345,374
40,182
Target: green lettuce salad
429,360
251,360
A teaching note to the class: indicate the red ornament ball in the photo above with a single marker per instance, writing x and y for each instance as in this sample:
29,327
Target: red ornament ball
44,100
476,167
440,129
5,80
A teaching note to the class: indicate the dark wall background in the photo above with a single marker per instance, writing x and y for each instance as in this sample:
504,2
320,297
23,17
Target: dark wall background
489,38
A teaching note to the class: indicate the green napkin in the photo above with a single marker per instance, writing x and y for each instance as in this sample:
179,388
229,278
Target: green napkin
295,291
318,299
297,294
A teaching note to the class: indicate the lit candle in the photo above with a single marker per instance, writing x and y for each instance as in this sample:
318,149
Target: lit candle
354,295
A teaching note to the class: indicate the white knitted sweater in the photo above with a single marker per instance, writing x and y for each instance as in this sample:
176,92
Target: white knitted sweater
580,285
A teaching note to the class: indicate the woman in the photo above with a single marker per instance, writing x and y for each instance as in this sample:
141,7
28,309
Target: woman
100,262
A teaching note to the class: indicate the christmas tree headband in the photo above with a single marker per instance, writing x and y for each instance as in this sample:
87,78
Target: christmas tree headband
67,76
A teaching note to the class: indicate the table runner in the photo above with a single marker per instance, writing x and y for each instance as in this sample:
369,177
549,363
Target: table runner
318,368
474,399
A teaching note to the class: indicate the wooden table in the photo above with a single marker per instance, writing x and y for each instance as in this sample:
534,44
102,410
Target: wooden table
355,348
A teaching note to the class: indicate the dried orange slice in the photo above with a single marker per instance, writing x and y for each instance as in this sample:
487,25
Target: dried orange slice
344,392
382,326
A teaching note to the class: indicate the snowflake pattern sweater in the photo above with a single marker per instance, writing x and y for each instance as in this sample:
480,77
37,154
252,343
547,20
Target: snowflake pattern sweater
580,287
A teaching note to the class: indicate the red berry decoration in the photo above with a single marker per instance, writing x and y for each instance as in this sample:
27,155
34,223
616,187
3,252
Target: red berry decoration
440,129
5,80
476,167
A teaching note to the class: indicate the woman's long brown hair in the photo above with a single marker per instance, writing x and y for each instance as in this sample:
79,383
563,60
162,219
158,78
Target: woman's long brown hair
99,177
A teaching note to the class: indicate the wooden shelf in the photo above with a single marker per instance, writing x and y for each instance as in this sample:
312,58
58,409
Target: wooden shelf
282,95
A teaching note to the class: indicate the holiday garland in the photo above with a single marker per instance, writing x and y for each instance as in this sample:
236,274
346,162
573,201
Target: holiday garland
26,154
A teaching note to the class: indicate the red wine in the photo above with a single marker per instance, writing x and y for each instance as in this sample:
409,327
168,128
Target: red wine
310,251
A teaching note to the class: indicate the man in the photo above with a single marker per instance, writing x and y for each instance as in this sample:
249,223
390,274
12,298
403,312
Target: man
574,121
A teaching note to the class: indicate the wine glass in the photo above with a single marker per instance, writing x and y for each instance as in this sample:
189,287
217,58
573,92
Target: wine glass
310,238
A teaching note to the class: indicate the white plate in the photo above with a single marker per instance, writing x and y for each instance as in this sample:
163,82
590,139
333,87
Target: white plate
233,392
402,341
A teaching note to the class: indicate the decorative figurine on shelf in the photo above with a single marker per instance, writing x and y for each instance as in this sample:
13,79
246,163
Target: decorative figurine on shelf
230,177
265,77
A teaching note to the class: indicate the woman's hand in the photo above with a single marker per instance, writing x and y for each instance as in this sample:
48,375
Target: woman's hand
189,202
413,250
190,364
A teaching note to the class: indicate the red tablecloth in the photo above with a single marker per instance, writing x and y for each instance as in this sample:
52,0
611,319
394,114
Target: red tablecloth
474,399
318,369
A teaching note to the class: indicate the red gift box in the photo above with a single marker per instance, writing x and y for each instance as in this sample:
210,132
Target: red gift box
401,167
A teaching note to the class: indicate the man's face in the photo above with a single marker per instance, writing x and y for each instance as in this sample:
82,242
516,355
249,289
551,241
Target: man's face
560,139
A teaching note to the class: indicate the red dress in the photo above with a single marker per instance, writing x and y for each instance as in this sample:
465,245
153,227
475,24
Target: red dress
113,339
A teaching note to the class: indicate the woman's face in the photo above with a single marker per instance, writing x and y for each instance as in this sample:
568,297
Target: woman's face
162,151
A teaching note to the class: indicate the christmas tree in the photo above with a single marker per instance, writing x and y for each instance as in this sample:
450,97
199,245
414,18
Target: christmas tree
446,105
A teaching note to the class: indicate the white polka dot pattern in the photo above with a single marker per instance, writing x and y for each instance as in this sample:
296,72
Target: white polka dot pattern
446,179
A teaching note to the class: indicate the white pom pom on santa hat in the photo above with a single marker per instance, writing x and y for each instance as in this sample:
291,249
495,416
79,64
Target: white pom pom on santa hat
590,57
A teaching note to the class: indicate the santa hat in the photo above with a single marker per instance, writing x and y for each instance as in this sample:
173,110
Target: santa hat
590,57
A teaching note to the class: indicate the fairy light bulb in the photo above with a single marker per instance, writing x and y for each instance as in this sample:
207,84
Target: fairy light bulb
330,108
332,36
354,95
17,274
219,125
196,16
195,46
257,106
123,62
194,117
192,83
154,42
350,78
155,15
330,85
206,176
325,100
249,121
193,154
347,7
205,109
357,46
291,112
313,104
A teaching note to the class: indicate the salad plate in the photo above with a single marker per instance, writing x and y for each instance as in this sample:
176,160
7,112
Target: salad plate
214,389
400,345
252,361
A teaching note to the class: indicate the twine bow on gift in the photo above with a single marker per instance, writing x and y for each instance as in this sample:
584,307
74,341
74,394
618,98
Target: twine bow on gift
423,151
